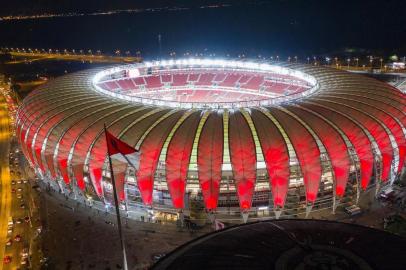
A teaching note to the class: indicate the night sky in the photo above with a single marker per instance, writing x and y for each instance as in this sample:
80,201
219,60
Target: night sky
267,26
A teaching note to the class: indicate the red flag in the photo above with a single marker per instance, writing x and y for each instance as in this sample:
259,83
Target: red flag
121,151
124,153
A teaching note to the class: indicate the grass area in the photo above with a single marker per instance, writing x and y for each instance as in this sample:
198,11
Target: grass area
396,224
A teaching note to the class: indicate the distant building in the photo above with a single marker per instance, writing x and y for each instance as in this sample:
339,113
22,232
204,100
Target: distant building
397,65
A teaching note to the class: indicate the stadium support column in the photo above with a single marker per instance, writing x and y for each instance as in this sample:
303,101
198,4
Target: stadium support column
378,171
402,175
334,195
245,215
75,188
126,194
60,185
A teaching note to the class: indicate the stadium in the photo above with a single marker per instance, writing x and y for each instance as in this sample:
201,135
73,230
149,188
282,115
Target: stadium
237,136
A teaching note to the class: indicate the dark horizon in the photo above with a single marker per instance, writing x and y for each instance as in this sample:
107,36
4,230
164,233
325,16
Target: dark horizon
288,27
27,7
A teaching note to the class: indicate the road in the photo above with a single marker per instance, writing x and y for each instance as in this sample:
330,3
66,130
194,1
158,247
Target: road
22,57
17,198
5,188
23,205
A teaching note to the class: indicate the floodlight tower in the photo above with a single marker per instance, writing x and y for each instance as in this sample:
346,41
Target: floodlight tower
160,46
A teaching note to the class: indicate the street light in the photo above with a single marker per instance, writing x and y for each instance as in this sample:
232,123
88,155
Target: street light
348,63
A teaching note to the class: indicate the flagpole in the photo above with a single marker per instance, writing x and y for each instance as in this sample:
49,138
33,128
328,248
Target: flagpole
125,184
117,207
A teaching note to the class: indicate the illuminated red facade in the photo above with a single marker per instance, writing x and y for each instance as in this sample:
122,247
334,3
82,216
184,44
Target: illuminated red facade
215,130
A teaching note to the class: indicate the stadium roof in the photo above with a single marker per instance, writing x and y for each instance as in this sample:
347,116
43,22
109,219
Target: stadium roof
343,122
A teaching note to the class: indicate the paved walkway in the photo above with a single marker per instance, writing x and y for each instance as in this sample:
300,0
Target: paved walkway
80,237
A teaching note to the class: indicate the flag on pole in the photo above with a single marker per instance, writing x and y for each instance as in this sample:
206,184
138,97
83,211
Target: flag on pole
115,148
119,150
121,154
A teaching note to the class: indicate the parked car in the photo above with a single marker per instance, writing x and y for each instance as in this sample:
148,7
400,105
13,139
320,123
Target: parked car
157,257
24,261
10,221
24,252
387,193
353,210
7,259
44,260
17,238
